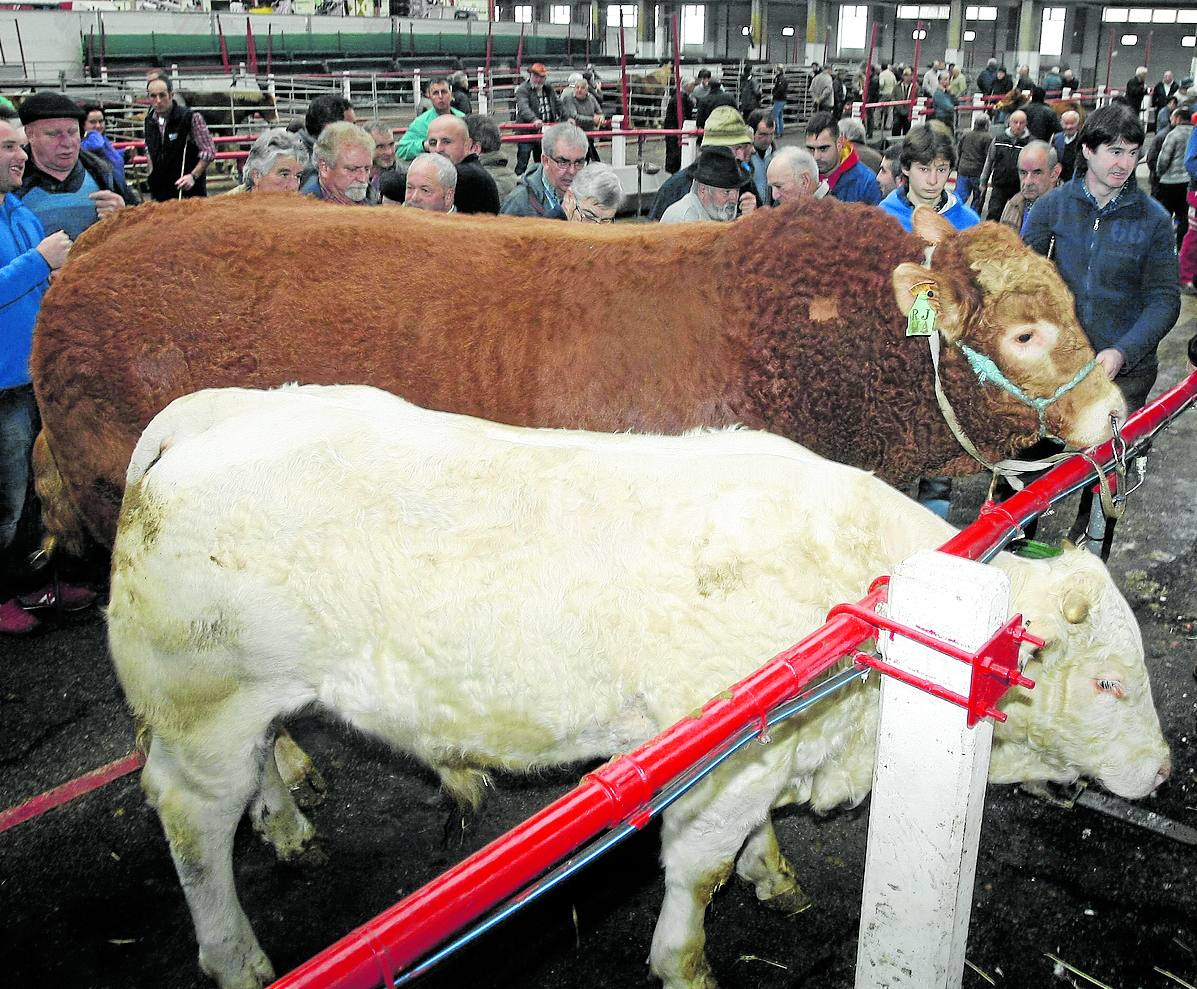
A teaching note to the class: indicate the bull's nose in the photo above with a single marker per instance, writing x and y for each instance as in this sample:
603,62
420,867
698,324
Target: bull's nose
1164,772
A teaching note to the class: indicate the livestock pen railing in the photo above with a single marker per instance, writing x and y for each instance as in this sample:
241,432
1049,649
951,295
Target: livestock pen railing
620,797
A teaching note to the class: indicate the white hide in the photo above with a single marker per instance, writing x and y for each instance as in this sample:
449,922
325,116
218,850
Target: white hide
483,596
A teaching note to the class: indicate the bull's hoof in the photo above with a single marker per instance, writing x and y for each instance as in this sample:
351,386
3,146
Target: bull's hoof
299,773
789,903
694,972
244,968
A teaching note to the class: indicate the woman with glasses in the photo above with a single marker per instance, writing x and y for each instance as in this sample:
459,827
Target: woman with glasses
594,196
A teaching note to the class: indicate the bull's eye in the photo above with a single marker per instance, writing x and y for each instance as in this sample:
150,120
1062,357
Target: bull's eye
1105,685
1025,337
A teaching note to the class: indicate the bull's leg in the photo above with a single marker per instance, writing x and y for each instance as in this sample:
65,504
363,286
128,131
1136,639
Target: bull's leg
700,837
762,863
277,818
200,786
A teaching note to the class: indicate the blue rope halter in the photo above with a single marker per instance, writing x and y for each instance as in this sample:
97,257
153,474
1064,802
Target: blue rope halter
987,371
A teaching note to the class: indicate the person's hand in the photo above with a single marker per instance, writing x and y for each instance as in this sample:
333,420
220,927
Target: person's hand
106,202
55,249
747,203
185,182
1112,360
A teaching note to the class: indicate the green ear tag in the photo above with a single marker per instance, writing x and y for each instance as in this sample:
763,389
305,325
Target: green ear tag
921,320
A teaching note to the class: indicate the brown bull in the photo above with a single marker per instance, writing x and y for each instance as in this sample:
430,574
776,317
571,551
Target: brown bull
791,320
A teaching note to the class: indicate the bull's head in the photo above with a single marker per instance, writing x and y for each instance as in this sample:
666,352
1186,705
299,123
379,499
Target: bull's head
1008,312
1091,712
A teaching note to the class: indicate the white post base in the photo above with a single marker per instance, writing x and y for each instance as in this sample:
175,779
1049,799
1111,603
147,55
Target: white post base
929,781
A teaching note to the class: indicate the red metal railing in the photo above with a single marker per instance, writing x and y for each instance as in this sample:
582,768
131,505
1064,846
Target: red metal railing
618,792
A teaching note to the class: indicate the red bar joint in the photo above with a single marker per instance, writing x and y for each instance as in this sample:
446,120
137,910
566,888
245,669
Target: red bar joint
994,666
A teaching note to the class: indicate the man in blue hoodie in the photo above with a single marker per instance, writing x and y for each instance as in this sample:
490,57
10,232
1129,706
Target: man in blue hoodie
1115,248
27,256
927,158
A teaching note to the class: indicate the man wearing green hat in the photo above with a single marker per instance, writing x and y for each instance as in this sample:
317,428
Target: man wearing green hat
725,128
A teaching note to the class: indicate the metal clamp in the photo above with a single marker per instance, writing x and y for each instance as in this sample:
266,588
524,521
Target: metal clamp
994,666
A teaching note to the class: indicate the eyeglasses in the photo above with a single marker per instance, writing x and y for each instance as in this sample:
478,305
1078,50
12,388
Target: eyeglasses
574,163
588,217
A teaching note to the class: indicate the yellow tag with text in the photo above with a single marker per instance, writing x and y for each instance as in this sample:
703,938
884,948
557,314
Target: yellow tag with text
920,322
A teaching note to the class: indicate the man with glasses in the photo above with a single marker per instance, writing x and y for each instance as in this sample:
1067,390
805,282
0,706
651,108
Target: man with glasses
536,102
563,149
344,156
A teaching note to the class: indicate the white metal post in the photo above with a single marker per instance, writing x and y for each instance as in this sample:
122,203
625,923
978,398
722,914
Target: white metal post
689,144
483,95
929,781
619,143
415,87
346,86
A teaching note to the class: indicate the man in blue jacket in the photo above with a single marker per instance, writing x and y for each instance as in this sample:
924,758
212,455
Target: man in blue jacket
1115,248
27,256
849,180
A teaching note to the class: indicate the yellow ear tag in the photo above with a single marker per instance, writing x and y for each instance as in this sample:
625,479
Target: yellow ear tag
920,322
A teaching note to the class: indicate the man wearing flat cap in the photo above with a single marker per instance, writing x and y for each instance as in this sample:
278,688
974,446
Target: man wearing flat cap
715,193
725,128
65,187
536,103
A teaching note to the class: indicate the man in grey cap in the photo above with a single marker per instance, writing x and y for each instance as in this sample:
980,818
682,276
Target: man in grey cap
65,187
725,128
715,192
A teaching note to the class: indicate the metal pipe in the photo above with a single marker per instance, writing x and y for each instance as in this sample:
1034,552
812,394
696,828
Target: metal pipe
677,68
623,72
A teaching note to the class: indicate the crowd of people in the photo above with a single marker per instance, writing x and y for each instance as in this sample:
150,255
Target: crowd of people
1065,184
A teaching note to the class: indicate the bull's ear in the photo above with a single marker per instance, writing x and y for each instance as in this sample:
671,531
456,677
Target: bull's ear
930,226
1075,606
909,280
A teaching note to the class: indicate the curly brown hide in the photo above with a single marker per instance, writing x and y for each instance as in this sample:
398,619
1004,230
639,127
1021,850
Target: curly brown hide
787,320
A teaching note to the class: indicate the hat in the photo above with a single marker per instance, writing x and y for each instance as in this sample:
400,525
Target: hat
1186,82
725,128
49,105
718,167
538,68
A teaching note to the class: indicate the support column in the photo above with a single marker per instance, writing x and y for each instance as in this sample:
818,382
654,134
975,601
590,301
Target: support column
929,781
955,49
646,30
816,22
1028,39
759,28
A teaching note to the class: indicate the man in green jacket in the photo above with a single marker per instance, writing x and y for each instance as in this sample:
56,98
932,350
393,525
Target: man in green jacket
412,142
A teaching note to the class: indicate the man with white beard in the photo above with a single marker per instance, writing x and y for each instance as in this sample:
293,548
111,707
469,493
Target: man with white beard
344,156
715,194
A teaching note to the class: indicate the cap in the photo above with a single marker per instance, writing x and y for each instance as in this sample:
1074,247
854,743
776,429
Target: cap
718,167
538,68
725,128
49,105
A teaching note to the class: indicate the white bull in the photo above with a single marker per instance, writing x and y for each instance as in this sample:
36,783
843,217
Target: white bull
522,598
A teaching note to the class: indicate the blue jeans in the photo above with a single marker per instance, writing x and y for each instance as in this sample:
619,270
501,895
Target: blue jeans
779,107
522,151
966,189
19,425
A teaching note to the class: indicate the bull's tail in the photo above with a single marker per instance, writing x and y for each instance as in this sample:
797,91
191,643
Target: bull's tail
64,529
